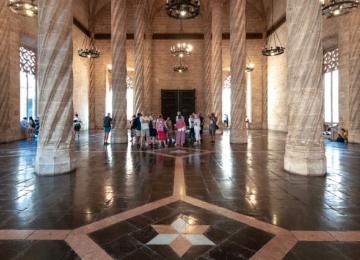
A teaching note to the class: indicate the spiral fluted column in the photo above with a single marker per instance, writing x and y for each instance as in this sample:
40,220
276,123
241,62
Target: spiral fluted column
238,132
139,31
4,71
304,152
148,72
55,52
216,58
207,66
119,72
354,88
92,109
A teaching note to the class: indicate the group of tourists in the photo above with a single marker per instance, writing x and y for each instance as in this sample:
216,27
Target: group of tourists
30,127
150,130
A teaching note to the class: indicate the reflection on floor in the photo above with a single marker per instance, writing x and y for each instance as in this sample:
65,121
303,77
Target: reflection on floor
238,203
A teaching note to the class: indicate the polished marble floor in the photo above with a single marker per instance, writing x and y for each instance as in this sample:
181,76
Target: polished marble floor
236,200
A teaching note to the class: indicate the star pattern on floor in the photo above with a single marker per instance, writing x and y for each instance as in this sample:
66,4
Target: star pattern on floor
181,235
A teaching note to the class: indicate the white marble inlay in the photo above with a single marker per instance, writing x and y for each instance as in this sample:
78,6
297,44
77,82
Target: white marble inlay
199,240
163,239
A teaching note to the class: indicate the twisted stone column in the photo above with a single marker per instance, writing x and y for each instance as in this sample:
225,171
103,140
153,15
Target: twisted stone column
139,31
92,101
4,71
304,152
207,65
354,88
216,59
148,73
119,72
238,132
55,50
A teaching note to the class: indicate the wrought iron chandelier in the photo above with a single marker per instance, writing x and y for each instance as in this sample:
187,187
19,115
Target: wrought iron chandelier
182,9
181,50
273,45
23,7
181,68
91,52
331,8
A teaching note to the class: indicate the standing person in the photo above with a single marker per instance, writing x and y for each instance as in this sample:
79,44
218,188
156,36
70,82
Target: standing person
212,126
31,128
77,125
132,129
152,129
202,124
137,126
107,128
169,132
197,129
191,127
180,130
145,131
161,130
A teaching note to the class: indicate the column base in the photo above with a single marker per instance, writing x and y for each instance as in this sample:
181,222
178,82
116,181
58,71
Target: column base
238,136
304,161
354,136
119,136
50,162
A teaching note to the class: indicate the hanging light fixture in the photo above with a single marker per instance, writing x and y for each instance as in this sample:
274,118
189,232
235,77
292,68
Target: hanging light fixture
331,8
23,7
90,51
181,50
182,9
273,45
181,68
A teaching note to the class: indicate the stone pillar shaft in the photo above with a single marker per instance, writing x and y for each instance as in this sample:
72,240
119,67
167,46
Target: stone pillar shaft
119,72
238,132
92,98
304,152
4,71
354,86
148,73
207,66
55,145
216,59
139,32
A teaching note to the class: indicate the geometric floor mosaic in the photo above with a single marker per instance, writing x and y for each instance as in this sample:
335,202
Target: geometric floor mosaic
180,231
178,223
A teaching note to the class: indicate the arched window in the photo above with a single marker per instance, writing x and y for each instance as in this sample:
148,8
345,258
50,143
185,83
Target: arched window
28,92
331,90
129,96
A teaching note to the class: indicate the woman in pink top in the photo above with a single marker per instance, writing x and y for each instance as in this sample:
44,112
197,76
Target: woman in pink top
180,130
161,128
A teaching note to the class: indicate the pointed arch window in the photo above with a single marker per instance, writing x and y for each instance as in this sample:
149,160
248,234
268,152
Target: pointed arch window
331,86
28,90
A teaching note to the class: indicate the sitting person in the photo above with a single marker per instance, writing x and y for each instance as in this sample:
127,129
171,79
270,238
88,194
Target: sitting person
342,136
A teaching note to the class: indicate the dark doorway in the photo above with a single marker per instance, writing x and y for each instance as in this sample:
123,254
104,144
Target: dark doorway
177,100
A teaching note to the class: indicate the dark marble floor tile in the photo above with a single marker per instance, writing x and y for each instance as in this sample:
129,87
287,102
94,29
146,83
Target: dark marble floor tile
325,250
36,250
